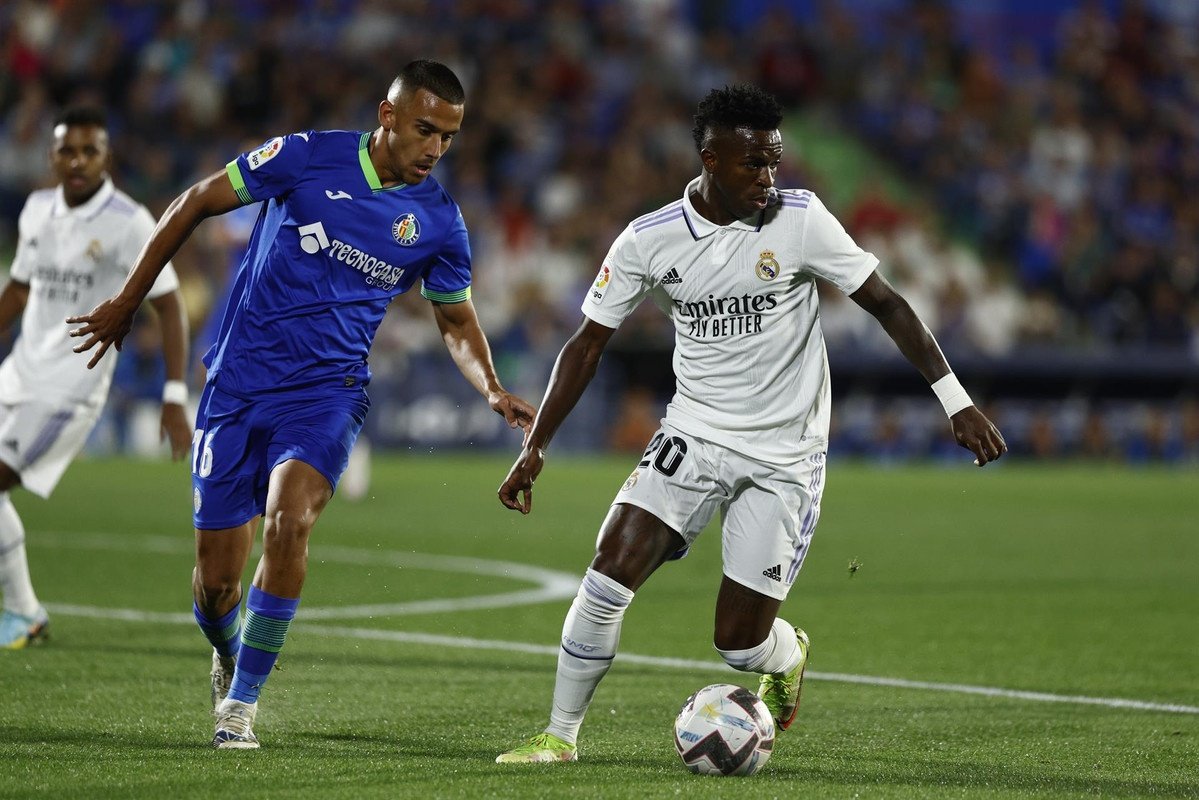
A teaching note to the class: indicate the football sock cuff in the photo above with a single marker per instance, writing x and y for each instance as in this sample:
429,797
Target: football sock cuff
224,633
779,653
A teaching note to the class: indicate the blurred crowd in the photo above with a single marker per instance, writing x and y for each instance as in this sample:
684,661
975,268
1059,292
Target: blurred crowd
1070,166
1043,194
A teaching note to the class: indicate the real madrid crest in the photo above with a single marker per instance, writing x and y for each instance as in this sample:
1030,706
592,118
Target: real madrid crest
631,482
767,267
405,230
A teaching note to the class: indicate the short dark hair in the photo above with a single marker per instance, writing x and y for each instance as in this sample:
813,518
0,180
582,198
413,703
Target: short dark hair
740,106
434,77
82,115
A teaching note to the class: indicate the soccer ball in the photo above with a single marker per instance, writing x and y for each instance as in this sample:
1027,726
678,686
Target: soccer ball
724,730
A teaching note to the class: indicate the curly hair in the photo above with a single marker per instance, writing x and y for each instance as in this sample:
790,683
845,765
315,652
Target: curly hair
82,116
740,106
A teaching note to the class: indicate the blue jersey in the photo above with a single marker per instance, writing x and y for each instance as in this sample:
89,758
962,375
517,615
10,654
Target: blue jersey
331,248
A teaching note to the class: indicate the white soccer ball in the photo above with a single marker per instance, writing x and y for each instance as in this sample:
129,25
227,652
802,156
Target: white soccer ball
724,730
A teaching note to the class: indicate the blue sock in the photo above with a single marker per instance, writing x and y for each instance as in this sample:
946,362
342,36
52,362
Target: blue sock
267,620
224,633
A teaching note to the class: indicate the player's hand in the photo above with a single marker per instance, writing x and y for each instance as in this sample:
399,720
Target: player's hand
106,325
176,428
515,411
973,431
520,479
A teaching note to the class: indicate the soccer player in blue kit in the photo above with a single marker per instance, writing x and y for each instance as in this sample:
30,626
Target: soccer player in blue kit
350,220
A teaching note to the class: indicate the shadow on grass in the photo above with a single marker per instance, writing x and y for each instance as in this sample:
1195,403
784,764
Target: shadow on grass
980,776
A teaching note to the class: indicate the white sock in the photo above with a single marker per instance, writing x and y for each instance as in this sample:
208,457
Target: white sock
777,655
589,638
15,583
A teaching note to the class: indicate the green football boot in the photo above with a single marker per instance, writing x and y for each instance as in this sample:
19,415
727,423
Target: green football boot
780,692
541,749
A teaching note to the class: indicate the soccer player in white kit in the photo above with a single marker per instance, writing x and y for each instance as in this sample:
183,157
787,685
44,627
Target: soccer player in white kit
76,244
734,264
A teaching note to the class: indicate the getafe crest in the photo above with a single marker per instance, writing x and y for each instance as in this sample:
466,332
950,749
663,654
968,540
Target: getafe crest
767,267
405,230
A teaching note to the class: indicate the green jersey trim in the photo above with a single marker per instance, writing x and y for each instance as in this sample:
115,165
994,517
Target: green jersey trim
460,296
239,184
368,169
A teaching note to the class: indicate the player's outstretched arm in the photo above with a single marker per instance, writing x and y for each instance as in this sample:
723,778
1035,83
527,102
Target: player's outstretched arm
172,322
971,428
459,326
107,324
573,371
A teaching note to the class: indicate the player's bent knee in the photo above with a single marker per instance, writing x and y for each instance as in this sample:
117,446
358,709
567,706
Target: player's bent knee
288,527
215,598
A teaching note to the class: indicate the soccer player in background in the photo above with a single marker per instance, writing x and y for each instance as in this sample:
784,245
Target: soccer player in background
734,263
77,243
349,220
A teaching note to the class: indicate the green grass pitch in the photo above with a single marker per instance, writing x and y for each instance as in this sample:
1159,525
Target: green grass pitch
405,674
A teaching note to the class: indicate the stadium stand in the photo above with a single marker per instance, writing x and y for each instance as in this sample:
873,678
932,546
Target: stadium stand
1027,184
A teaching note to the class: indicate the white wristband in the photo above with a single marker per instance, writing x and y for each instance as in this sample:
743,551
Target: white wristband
174,392
951,394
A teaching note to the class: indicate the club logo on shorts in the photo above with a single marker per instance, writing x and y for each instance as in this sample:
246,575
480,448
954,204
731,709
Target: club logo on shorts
197,500
767,267
405,230
631,481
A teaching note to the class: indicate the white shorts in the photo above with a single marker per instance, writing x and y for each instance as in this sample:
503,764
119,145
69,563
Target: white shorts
39,441
768,512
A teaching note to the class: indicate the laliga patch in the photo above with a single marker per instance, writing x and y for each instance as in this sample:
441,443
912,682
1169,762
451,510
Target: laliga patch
405,230
601,283
265,153
767,267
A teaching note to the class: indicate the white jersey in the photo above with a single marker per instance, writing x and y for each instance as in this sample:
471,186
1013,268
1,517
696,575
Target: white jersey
749,359
73,259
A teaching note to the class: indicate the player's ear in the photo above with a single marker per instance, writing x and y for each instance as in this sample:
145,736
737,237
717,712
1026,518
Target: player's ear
708,158
386,115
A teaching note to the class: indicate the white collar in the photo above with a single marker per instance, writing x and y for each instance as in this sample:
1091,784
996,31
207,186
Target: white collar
88,209
702,227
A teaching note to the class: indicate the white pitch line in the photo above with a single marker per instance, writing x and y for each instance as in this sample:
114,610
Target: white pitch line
374,634
551,584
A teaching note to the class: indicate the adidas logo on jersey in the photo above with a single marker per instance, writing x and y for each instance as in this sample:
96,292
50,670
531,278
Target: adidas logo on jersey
775,573
672,276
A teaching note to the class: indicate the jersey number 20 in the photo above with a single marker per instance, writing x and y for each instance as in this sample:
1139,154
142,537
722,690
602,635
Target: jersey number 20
670,452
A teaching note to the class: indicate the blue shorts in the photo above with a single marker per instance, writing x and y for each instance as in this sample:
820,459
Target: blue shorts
238,442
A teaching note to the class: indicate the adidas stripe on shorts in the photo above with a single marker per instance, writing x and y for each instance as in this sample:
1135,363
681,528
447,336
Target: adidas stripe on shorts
40,441
768,511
